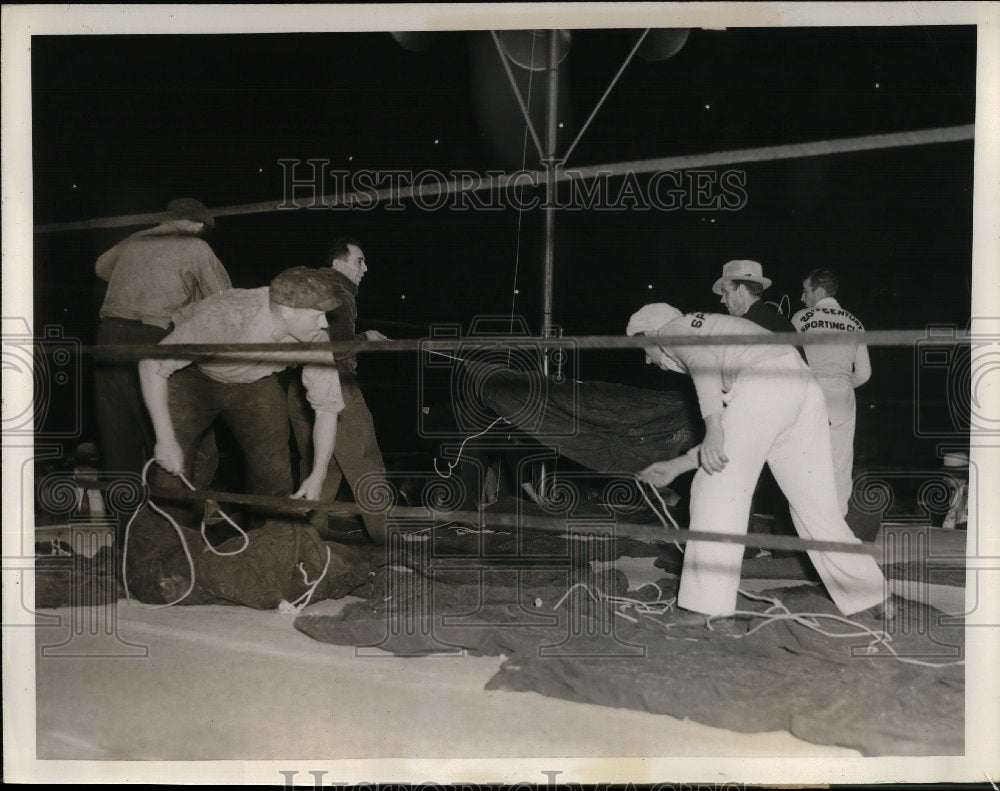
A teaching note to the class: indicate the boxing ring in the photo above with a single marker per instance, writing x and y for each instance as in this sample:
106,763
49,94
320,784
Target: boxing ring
268,650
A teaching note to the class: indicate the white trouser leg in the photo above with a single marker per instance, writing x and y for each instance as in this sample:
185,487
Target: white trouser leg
761,407
802,464
841,410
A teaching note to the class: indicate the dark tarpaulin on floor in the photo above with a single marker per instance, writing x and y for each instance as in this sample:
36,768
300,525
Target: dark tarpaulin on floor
782,677
263,575
276,563
604,426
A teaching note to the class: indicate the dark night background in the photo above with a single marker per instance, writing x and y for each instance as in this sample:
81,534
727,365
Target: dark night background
122,124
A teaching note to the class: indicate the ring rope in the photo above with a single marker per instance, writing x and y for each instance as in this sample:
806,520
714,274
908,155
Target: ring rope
318,353
542,523
919,137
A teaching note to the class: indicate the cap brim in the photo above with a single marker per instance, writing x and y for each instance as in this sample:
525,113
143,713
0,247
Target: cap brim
765,283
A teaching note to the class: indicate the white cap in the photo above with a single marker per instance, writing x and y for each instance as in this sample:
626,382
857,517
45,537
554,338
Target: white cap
650,318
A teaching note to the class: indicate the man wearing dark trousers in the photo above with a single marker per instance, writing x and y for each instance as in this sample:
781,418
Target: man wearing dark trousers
151,275
356,457
186,397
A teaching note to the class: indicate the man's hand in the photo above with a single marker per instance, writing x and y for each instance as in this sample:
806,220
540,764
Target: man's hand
662,473
311,488
374,335
169,456
713,455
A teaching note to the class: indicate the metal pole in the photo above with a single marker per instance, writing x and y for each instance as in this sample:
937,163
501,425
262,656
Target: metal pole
550,164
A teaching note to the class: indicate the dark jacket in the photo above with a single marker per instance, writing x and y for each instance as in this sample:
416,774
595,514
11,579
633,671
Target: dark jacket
340,321
763,315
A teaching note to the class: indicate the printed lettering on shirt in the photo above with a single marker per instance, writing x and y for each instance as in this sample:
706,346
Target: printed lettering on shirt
827,319
697,319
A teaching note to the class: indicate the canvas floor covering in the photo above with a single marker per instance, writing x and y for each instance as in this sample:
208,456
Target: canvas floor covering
504,622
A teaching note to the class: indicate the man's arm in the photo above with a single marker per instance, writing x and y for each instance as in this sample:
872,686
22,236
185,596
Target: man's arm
663,473
324,440
214,277
105,265
322,384
713,455
862,366
168,453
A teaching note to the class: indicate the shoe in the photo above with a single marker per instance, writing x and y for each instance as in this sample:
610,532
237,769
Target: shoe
725,624
729,625
687,618
883,612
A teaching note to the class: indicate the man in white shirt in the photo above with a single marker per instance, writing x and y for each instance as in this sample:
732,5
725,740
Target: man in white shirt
839,368
760,404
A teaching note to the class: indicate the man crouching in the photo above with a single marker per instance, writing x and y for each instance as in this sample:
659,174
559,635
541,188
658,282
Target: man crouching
184,399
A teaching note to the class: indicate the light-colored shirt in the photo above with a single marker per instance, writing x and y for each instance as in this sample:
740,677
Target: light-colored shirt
154,273
835,361
715,370
244,316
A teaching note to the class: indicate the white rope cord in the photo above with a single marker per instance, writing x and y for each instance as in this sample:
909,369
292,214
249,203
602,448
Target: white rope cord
286,607
783,305
459,530
524,160
656,511
808,620
224,515
517,91
779,612
461,449
920,137
657,607
180,535
297,606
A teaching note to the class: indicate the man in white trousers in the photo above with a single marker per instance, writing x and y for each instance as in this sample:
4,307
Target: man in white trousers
760,404
839,368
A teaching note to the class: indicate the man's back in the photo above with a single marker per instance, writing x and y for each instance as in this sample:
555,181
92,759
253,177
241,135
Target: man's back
154,273
829,360
764,315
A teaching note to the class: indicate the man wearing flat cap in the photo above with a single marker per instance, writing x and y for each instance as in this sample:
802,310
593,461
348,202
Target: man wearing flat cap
185,396
151,275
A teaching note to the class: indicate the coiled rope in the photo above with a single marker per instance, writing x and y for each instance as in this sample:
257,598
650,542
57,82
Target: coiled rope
285,607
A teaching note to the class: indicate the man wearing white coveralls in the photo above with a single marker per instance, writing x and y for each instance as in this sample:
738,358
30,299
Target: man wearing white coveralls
760,403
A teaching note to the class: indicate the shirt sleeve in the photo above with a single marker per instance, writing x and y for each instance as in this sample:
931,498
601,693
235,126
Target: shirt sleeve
704,366
322,383
862,366
340,327
105,265
213,276
706,372
185,333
